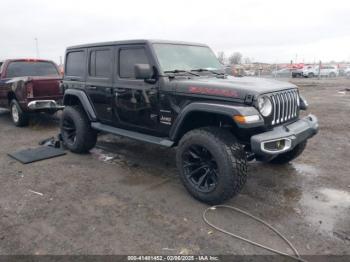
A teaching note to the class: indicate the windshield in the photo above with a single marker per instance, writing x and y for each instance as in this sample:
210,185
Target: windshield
32,68
185,57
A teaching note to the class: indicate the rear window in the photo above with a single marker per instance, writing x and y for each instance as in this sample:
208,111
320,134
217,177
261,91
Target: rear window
100,63
75,63
31,68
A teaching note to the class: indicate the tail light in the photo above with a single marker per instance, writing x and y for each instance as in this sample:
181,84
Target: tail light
61,87
29,89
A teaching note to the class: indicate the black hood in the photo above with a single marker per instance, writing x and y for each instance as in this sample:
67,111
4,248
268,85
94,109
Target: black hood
234,87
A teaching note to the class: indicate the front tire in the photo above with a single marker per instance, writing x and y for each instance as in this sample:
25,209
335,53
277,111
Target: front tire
212,164
19,118
285,158
76,131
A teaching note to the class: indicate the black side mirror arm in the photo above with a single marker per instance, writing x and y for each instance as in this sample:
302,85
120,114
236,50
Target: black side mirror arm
154,78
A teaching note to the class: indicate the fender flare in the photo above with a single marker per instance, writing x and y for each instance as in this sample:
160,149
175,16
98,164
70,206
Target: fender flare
84,100
208,107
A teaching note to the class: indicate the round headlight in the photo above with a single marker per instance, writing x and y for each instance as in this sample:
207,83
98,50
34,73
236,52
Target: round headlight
265,106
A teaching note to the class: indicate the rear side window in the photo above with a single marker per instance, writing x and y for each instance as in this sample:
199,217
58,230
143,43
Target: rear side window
100,64
31,68
127,60
75,64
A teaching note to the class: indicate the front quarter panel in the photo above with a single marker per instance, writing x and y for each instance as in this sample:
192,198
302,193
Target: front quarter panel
210,107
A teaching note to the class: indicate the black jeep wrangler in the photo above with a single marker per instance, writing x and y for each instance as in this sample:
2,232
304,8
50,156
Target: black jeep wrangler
176,94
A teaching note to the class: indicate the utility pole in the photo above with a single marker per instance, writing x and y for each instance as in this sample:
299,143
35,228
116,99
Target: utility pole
37,47
319,70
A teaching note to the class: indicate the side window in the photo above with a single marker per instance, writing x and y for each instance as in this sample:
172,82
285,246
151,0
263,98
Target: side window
75,63
127,60
100,63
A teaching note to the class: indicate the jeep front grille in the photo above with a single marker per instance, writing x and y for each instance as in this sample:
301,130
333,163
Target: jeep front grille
285,106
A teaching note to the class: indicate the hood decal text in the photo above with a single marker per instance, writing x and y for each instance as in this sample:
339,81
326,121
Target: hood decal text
212,91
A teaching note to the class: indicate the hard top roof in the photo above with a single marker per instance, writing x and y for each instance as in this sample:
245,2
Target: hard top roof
136,41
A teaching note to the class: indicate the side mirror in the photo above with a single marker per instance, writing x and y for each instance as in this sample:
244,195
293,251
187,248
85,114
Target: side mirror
143,71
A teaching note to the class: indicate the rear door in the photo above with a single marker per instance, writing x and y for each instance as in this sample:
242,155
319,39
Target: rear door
75,69
99,81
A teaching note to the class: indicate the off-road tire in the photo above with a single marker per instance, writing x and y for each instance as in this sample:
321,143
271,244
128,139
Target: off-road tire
85,136
231,162
285,158
21,119
311,75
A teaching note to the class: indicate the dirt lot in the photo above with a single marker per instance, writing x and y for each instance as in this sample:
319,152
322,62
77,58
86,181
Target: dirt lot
125,197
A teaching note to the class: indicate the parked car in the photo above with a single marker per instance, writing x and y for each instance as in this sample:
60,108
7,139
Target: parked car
284,72
249,72
175,94
329,71
310,71
29,86
347,71
297,73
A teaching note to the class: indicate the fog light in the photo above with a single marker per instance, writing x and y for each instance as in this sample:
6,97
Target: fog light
276,146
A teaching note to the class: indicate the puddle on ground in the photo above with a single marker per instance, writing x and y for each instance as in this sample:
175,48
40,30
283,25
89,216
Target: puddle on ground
292,194
306,169
111,158
326,208
151,176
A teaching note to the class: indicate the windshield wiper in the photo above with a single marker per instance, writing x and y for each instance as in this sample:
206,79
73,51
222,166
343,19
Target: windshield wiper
207,70
176,71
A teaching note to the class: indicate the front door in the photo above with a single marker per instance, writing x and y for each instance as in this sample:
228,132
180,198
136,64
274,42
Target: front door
135,102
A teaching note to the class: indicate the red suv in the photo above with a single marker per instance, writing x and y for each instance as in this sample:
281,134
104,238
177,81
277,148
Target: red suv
29,85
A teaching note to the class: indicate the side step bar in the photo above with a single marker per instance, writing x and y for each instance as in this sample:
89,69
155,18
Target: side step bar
134,135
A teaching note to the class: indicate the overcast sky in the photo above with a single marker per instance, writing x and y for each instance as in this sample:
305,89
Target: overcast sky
266,31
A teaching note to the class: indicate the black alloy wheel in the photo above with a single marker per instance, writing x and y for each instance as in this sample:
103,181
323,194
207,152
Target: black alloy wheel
200,168
69,130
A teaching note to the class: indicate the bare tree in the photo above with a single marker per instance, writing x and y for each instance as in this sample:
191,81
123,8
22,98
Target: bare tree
221,57
235,58
247,60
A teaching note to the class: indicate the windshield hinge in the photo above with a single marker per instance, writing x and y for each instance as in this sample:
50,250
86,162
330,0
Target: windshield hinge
248,99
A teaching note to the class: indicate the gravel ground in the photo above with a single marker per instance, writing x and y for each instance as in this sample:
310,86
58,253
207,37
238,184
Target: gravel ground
125,197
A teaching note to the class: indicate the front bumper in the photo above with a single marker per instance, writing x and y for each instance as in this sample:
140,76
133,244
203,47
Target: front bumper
291,135
44,105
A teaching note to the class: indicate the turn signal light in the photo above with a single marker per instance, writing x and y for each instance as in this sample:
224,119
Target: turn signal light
246,119
29,87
